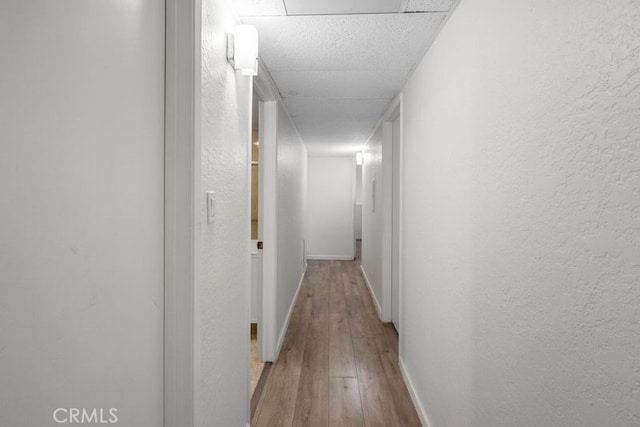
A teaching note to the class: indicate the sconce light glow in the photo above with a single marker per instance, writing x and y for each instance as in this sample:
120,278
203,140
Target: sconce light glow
242,49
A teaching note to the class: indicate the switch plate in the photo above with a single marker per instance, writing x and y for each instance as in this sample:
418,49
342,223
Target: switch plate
211,206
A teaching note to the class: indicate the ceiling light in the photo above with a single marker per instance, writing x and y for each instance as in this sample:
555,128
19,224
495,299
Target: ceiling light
242,50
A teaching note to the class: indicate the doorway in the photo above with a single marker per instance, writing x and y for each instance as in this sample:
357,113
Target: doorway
395,221
358,206
392,215
256,360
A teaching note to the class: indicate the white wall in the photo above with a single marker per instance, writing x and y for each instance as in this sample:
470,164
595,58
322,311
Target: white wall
372,215
292,187
521,212
330,207
81,178
358,207
223,273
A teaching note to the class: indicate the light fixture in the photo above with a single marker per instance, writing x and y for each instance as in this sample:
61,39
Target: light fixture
359,158
242,49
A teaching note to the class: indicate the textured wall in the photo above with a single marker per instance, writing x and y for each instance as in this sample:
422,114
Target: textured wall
223,255
372,221
522,216
292,187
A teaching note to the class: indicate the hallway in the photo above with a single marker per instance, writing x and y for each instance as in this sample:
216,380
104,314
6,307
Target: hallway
485,152
339,364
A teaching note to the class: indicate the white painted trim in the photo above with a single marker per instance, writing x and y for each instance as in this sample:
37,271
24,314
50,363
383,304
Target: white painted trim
264,85
395,222
249,289
401,228
394,111
354,185
268,291
267,89
373,295
385,117
182,167
260,320
422,412
269,108
285,326
331,257
387,213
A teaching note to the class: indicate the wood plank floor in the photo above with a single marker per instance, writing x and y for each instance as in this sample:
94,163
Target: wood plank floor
339,364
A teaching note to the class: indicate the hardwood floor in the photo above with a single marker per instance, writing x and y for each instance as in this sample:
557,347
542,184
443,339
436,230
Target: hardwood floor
339,364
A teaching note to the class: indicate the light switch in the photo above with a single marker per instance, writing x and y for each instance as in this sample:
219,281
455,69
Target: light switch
211,206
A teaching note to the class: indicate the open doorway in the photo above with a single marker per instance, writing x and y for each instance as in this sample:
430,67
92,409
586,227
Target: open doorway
395,221
392,216
358,207
256,362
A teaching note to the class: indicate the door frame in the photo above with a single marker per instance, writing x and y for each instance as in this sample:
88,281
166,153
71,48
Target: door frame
396,150
183,88
268,129
391,224
182,168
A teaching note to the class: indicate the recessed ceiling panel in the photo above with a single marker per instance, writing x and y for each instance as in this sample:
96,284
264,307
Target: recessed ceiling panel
429,5
341,7
260,7
383,83
345,42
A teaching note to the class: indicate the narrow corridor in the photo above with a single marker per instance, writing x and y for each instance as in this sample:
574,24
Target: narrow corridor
339,363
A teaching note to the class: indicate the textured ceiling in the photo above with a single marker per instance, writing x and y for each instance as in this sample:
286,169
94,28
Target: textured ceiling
338,63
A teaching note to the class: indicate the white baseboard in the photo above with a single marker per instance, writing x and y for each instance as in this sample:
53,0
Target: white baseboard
422,412
285,327
331,257
373,295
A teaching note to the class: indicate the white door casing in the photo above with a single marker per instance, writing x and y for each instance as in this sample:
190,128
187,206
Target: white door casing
395,222
268,127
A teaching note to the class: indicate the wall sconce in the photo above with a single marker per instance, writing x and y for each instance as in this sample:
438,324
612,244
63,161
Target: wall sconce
359,158
242,49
